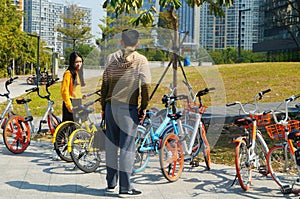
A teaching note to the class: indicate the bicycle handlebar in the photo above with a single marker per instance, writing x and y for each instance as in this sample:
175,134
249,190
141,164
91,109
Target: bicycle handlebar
91,102
86,105
292,98
204,91
36,89
232,104
261,93
258,95
8,82
286,102
93,93
33,89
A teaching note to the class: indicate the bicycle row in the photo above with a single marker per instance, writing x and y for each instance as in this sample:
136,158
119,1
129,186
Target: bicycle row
18,129
281,160
77,141
175,135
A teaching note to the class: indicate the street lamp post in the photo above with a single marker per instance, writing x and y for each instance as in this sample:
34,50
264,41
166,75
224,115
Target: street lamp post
54,54
239,31
38,54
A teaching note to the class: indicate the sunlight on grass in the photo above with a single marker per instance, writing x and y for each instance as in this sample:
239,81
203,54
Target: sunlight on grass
241,82
233,82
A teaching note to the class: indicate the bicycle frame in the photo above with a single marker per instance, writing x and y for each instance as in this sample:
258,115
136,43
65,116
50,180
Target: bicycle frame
90,128
198,114
47,112
253,122
157,135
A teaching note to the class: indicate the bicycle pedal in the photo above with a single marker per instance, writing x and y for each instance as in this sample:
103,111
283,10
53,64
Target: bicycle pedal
194,163
263,170
286,189
44,131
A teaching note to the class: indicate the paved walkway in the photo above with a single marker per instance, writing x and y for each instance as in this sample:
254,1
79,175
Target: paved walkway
33,174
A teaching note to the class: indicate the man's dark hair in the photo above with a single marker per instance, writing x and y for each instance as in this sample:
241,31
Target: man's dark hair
130,37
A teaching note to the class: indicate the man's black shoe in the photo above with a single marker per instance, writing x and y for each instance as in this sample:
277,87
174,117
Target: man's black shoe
130,193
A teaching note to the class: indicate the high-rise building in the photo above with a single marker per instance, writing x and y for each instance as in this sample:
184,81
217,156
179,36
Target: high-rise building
19,4
189,21
42,16
240,27
280,26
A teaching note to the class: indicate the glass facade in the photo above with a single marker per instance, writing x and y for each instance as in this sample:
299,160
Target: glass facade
223,32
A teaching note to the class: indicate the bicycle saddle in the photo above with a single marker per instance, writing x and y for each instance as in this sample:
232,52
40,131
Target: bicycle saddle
22,100
243,121
294,135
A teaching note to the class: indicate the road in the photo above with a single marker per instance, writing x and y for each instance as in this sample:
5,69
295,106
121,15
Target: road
19,86
33,174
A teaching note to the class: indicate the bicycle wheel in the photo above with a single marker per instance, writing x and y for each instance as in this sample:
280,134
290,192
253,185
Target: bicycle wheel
53,122
61,137
261,150
243,165
171,157
185,139
205,147
16,134
283,169
83,151
141,158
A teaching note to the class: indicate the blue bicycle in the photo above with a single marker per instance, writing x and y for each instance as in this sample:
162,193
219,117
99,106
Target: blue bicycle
163,140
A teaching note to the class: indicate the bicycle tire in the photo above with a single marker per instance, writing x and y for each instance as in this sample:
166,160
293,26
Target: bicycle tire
205,147
61,138
53,122
243,165
16,134
185,139
141,158
283,169
171,157
261,150
83,151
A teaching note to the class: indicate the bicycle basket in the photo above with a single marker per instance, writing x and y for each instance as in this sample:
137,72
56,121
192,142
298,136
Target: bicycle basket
276,131
262,119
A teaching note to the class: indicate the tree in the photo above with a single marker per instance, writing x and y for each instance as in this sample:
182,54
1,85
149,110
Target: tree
146,17
75,29
15,45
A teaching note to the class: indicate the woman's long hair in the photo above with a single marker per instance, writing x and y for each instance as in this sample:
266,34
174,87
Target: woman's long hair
72,68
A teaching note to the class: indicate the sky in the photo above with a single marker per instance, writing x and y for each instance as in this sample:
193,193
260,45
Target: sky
97,11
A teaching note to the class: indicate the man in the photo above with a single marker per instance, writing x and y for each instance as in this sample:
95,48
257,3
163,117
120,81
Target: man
126,75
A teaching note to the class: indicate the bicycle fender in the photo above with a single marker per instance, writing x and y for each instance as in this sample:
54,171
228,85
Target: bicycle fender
58,127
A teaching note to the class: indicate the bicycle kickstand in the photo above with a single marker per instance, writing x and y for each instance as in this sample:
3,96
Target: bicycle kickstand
234,180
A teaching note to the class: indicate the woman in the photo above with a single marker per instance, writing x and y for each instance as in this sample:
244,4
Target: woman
71,86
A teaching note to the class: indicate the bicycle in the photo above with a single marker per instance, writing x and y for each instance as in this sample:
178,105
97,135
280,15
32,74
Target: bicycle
284,157
164,140
251,149
192,115
18,129
63,131
195,141
84,143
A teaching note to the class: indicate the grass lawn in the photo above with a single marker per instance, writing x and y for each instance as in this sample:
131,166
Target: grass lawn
233,82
